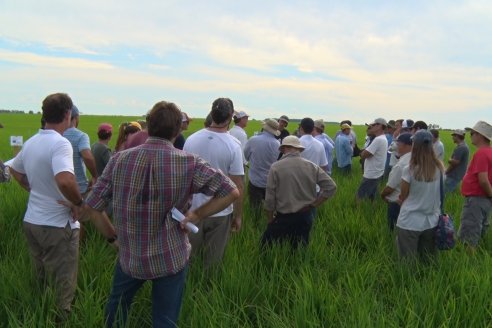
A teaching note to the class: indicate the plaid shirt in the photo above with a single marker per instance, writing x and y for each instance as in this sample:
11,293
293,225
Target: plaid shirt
145,183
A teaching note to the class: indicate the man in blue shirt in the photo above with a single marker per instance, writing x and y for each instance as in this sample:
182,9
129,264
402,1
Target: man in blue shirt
344,150
261,151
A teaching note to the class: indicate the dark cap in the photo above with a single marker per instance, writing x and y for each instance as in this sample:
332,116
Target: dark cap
405,138
419,125
422,137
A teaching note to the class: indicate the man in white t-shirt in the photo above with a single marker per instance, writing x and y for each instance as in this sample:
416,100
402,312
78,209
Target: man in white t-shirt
237,131
222,151
391,192
375,160
45,168
314,150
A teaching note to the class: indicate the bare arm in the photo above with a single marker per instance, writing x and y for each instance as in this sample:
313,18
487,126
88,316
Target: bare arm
386,192
90,162
21,179
68,186
483,181
405,189
238,203
365,154
214,205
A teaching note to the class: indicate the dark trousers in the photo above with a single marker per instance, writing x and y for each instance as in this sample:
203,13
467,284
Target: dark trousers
256,196
393,212
292,227
167,293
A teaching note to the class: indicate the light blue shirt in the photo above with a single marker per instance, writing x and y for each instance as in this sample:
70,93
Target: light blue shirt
261,151
343,150
80,141
329,145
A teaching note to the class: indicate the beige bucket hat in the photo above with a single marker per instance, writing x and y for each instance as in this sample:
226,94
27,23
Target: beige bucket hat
292,141
483,128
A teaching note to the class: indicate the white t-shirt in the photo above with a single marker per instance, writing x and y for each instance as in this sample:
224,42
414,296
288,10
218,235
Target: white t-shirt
222,151
314,150
240,135
394,179
42,157
374,165
420,211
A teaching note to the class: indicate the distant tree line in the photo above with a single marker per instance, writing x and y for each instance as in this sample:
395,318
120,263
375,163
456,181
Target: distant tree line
15,111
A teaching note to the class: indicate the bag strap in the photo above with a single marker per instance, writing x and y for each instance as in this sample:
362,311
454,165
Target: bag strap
441,188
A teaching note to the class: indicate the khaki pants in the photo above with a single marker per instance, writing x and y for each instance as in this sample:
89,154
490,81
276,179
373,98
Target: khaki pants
212,236
55,254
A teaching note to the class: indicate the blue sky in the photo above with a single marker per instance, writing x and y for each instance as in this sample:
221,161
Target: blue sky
425,60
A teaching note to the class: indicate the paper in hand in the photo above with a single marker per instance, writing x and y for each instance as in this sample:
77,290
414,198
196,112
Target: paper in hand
178,216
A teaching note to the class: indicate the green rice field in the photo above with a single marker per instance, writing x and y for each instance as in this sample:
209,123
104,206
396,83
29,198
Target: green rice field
348,276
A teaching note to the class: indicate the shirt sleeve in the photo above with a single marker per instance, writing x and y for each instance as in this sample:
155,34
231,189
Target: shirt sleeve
326,184
102,191
237,167
62,158
405,175
270,192
395,176
481,162
84,142
18,164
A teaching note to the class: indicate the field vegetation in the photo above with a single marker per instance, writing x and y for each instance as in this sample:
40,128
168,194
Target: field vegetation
348,276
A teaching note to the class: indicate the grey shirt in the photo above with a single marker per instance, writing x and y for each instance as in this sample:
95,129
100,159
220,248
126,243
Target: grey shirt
461,153
101,154
261,151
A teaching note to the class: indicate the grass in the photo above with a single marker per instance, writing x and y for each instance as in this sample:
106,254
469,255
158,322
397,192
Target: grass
349,275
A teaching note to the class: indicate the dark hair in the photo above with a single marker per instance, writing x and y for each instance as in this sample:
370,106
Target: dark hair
237,120
104,135
164,120
55,107
208,121
43,122
222,110
435,133
419,125
307,125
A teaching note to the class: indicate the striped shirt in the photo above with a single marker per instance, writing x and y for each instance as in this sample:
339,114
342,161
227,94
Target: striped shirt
145,183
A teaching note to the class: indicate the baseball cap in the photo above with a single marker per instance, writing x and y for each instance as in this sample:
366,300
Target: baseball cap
75,111
405,138
241,114
422,137
106,127
407,124
379,120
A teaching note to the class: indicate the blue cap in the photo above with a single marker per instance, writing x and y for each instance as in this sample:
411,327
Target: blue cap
75,111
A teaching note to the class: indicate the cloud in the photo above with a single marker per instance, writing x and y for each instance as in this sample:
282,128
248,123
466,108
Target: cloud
31,59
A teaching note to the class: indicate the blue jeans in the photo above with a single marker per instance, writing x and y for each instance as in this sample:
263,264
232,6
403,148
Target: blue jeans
393,212
450,184
167,293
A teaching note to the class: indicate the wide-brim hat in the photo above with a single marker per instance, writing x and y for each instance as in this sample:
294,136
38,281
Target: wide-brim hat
271,126
379,120
482,127
458,132
292,141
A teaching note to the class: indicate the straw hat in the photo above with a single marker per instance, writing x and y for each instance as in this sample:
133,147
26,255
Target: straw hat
292,141
271,126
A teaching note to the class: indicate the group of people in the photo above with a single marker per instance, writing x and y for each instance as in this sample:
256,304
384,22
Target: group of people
289,176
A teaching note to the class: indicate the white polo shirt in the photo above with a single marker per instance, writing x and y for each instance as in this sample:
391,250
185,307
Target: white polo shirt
42,157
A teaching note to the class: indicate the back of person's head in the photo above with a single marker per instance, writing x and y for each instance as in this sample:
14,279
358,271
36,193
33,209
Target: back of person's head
143,124
424,161
435,133
55,107
164,120
346,122
104,131
222,110
419,125
307,125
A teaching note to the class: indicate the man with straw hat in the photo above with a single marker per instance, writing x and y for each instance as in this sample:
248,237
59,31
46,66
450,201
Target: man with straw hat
261,151
477,188
290,213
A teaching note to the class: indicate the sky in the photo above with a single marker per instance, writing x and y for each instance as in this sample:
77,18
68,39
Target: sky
335,60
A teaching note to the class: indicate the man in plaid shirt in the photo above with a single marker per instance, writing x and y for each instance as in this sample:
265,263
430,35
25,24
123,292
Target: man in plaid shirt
145,183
